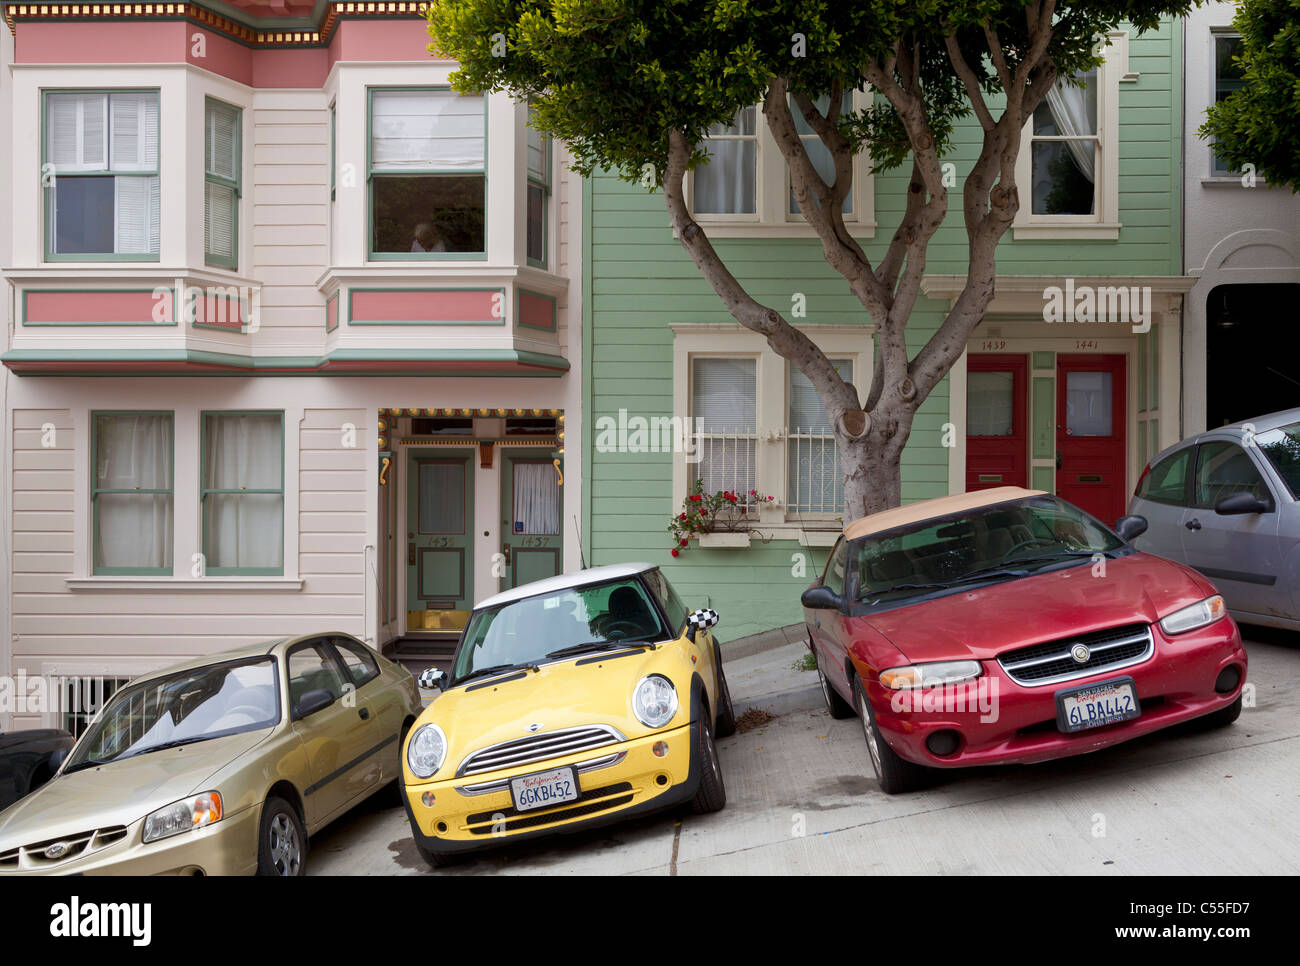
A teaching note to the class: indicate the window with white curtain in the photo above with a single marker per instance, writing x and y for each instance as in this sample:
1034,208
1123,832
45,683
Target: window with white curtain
131,498
1065,148
536,499
814,483
428,191
221,172
243,492
724,397
818,153
728,184
539,192
102,149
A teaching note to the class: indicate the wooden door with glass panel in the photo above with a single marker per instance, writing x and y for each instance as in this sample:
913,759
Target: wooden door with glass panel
531,529
997,442
1090,413
439,540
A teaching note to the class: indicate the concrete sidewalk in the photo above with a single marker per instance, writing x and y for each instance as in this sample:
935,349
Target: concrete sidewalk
768,680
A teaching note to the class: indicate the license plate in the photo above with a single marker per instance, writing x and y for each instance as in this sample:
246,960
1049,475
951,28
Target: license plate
1097,705
544,789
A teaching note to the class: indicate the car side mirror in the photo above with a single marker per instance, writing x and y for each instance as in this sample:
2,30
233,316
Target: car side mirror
821,597
1240,503
1129,528
433,677
703,618
56,759
311,702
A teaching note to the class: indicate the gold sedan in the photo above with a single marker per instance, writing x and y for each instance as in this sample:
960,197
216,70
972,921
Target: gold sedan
220,766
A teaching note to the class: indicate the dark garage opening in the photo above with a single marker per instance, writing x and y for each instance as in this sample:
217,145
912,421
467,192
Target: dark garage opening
1252,358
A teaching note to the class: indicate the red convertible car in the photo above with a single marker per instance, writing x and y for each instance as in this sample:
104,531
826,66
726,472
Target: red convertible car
1008,626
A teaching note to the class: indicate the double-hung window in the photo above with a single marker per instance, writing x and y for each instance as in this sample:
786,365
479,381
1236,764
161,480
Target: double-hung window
131,493
1228,77
724,394
814,483
728,184
818,153
221,172
428,187
100,175
1065,149
539,193
243,492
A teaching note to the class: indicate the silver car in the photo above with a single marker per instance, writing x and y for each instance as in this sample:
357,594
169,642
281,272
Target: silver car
1227,502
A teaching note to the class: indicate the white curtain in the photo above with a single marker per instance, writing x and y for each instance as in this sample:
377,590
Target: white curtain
1074,111
815,482
133,530
727,185
536,498
818,153
243,451
723,395
426,130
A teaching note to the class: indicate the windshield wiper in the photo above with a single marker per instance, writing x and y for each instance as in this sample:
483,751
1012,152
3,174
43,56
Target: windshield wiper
1058,555
497,669
176,743
594,646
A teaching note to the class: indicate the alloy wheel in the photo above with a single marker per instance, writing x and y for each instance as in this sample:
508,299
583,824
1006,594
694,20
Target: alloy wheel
286,851
869,732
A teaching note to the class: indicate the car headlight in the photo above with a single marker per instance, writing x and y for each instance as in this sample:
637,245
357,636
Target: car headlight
183,816
1197,615
427,749
654,702
930,675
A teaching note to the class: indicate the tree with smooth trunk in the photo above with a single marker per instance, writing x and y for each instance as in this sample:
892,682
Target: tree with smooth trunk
633,86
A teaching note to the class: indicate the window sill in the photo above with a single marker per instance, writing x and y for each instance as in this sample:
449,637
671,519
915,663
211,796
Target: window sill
1232,181
724,540
240,584
1074,232
792,229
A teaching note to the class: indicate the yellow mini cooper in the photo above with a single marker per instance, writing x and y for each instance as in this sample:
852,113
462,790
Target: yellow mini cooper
575,701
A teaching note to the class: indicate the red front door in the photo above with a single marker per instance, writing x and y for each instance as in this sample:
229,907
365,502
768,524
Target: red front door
996,418
1090,414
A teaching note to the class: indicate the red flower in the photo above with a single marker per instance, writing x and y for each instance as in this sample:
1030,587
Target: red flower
686,543
676,552
682,517
753,492
695,498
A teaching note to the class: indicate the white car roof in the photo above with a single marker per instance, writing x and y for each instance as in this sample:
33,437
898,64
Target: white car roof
579,578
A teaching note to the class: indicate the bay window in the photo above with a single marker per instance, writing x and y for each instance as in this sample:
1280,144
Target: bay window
221,172
427,182
539,194
242,492
100,175
131,493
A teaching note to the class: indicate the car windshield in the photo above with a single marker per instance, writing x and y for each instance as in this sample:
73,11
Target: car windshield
1002,541
182,708
528,631
1282,447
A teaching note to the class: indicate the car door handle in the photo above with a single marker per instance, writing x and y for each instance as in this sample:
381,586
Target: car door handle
365,713
1193,524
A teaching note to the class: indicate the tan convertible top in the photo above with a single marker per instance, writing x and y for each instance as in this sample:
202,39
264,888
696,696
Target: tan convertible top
943,506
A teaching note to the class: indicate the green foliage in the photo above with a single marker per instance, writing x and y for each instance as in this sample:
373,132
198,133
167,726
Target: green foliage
612,78
1259,124
722,511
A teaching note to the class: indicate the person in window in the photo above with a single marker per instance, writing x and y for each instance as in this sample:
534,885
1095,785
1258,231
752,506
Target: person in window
427,239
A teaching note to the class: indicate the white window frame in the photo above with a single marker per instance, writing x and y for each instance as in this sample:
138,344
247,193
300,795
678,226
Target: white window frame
772,185
1104,223
772,408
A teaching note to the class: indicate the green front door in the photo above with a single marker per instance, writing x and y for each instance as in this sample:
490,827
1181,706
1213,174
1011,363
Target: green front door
439,540
531,528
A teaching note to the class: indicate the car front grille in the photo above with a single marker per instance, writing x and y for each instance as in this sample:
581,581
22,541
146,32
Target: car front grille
542,747
1053,661
34,856
588,803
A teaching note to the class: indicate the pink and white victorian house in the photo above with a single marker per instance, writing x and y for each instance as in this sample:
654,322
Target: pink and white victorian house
292,335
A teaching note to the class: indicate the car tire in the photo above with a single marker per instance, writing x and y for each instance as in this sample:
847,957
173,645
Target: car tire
837,706
896,775
1221,718
281,841
726,721
711,796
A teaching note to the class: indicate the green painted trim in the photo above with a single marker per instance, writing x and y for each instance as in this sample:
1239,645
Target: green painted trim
353,320
95,491
1043,429
1044,360
588,264
334,300
22,311
1044,479
205,492
47,203
555,311
236,185
1177,84
243,305
369,224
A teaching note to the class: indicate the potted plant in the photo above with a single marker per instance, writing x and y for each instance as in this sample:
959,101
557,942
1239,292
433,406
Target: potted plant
723,519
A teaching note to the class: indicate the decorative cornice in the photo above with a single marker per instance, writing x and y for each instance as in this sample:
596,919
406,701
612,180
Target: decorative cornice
278,36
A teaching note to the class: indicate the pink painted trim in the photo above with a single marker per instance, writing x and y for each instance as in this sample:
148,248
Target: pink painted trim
444,306
536,310
221,311
82,308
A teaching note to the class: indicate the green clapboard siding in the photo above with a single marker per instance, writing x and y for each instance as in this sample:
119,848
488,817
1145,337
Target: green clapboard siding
638,281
